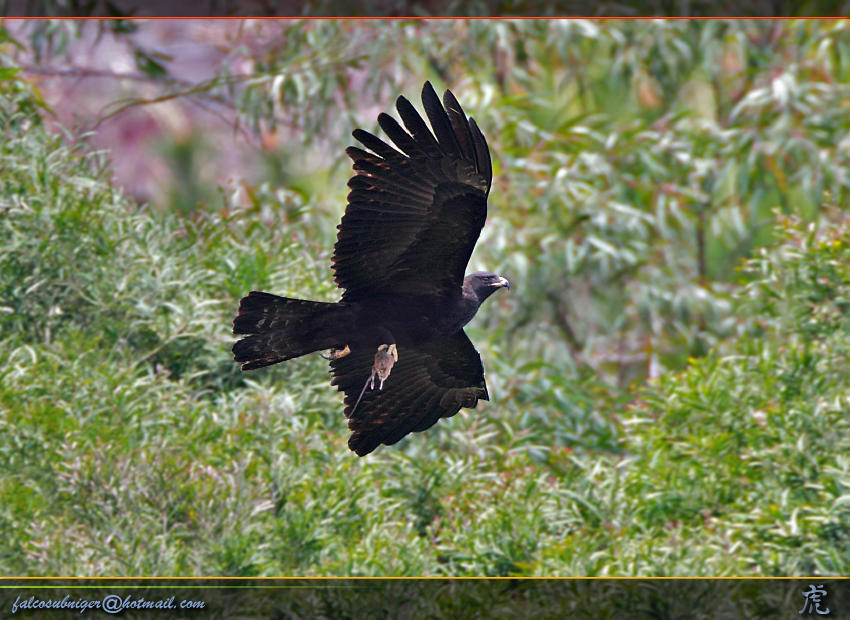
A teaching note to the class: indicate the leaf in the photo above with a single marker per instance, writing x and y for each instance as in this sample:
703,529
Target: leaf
7,73
147,65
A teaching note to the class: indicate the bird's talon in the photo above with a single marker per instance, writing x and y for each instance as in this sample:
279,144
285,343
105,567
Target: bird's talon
335,354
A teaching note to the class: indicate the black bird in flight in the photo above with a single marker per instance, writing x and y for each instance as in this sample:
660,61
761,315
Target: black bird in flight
396,337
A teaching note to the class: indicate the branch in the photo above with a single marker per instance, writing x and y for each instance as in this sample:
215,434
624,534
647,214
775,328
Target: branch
185,88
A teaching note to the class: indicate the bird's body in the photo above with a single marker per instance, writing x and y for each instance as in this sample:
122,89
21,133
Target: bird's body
402,248
414,319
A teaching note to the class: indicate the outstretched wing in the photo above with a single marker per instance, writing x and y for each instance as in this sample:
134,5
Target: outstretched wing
428,382
413,218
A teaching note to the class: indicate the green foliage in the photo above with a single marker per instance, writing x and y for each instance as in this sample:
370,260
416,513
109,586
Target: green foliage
625,198
755,443
637,163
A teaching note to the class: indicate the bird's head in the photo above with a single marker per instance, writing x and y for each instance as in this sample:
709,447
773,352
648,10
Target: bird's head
484,283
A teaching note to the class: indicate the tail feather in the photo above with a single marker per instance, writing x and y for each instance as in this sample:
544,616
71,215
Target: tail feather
280,328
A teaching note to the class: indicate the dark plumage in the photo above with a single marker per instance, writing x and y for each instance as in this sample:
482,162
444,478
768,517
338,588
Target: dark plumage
396,337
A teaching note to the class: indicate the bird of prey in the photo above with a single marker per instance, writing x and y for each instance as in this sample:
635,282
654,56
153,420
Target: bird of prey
395,339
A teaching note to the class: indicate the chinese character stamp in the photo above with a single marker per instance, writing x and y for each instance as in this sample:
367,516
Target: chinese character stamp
813,599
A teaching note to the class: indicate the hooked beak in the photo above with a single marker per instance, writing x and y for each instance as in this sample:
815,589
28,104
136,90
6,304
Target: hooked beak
503,283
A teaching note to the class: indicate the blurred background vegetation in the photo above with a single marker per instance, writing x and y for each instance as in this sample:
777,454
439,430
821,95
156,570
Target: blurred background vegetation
669,393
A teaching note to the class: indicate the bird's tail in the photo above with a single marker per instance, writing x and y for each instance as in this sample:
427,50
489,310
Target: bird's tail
280,328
